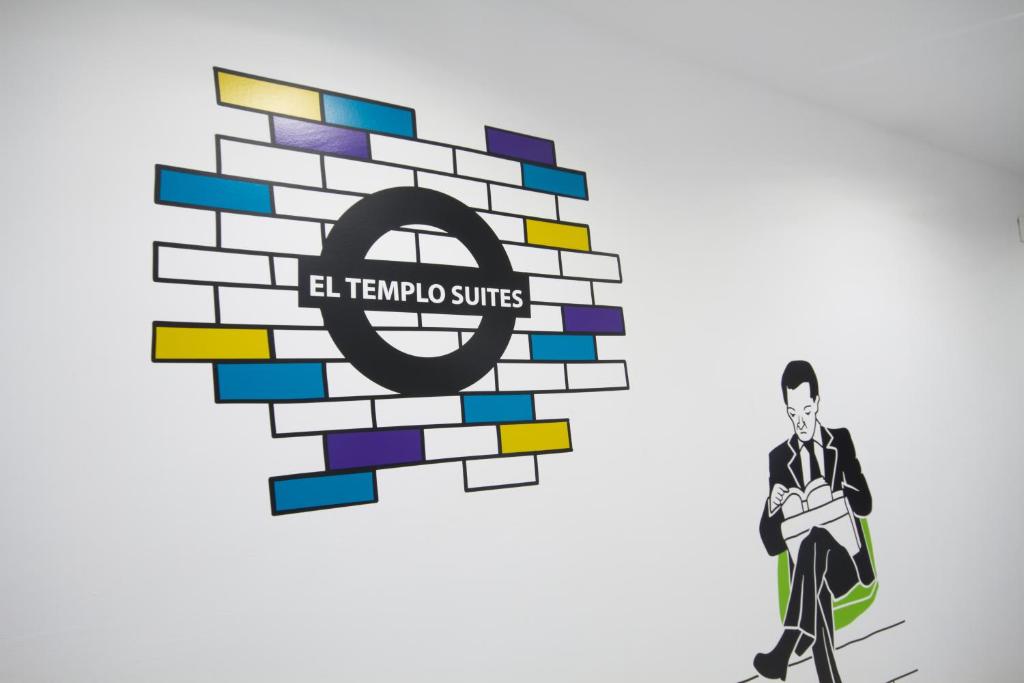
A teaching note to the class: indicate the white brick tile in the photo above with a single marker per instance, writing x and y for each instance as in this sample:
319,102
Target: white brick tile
507,228
476,165
419,227
175,263
321,416
460,442
311,344
470,192
259,233
574,210
609,294
344,380
611,347
594,266
533,259
247,306
392,319
597,375
286,271
411,153
558,290
485,383
325,206
269,163
497,472
363,176
518,348
428,410
530,376
451,321
542,319
522,202
394,245
444,250
427,343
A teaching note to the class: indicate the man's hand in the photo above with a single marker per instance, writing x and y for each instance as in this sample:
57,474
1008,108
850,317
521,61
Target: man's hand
776,497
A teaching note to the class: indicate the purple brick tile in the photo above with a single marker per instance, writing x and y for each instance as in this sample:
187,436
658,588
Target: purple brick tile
321,138
595,319
519,146
346,450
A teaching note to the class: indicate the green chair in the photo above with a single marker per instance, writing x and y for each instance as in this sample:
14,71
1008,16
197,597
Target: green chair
847,608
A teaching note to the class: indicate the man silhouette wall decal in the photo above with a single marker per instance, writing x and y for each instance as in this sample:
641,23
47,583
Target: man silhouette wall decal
823,569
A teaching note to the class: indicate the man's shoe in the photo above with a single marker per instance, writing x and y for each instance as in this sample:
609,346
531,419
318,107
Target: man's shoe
770,665
775,663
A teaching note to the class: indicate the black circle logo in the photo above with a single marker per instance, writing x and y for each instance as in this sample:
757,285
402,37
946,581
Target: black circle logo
344,284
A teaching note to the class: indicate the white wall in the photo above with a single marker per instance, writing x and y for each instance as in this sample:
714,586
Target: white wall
134,525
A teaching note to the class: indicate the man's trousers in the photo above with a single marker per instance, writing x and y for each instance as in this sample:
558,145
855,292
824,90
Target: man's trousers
823,571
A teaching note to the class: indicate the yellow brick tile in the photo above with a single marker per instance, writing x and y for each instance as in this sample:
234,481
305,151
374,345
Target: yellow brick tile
210,343
245,91
561,235
535,437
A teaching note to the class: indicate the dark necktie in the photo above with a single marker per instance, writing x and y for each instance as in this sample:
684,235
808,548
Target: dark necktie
815,470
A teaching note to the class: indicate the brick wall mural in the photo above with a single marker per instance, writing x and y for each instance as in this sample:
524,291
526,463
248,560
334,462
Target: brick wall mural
284,209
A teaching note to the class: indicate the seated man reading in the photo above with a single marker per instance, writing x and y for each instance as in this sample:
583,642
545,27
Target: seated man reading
822,569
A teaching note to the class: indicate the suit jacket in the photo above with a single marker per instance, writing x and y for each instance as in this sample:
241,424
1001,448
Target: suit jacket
842,472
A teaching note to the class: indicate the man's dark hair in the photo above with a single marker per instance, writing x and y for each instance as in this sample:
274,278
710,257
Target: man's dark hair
796,373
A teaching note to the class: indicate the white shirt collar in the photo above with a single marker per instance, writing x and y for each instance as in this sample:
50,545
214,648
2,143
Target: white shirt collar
819,454
816,438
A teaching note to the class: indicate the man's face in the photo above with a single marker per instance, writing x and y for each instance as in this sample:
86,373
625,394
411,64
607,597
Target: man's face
802,411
